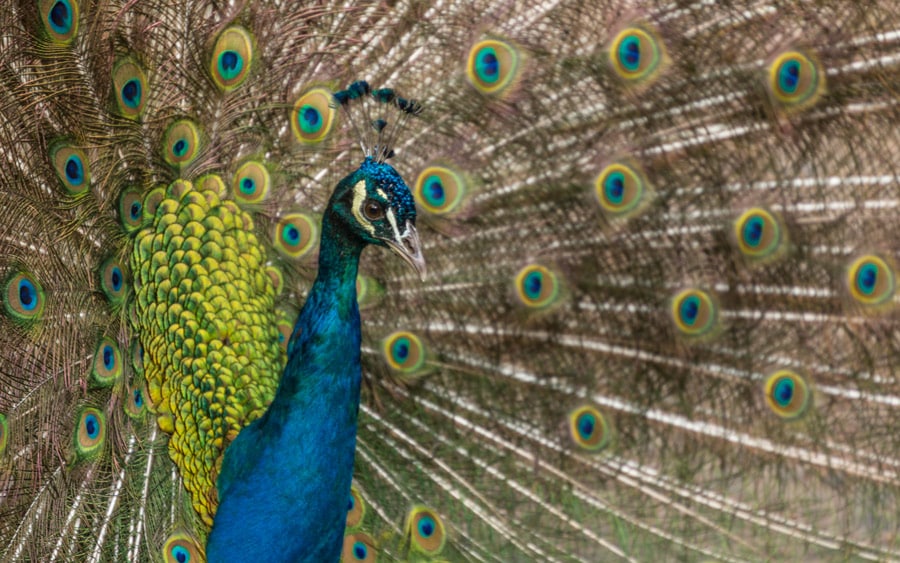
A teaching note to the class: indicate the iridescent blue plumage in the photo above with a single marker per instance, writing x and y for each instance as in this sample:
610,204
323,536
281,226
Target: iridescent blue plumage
285,479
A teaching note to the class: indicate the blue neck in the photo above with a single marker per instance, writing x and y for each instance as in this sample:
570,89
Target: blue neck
285,480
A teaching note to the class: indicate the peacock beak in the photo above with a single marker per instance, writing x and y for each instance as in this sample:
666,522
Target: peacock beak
408,247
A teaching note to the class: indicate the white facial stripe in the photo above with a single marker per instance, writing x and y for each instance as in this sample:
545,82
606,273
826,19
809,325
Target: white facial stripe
359,196
393,221
382,193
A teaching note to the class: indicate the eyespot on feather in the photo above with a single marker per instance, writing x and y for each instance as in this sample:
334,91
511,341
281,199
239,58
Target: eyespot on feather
251,183
796,80
135,403
24,298
71,167
90,433
637,55
107,366
232,58
622,189
404,352
589,429
130,88
181,143
694,312
871,281
295,235
181,548
759,234
59,19
537,286
359,547
313,116
787,394
112,280
425,530
494,67
356,509
439,190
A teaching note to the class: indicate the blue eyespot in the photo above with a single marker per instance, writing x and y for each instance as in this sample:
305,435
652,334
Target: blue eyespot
783,391
434,191
138,398
360,551
534,282
690,307
586,425
28,298
867,278
60,17
131,93
401,349
74,171
135,210
180,554
230,64
292,234
116,278
92,426
630,53
753,231
615,187
789,76
426,526
180,147
248,186
109,357
310,119
487,65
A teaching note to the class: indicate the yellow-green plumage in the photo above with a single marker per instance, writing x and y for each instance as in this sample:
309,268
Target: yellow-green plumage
204,313
660,321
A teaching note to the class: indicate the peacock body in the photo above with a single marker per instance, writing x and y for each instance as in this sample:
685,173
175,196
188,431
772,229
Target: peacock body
660,319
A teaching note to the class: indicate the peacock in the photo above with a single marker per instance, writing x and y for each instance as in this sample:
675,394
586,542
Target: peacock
660,316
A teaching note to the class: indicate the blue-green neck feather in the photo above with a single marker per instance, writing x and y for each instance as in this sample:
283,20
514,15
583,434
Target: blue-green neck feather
285,480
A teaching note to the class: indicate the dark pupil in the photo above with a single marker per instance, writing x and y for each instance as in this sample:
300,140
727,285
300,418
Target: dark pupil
868,278
690,310
137,398
617,187
785,393
181,556
91,426
793,75
374,210
427,529
360,552
72,169
229,60
632,53
402,351
59,14
311,116
755,232
587,426
247,184
490,64
534,284
25,295
107,357
180,147
293,234
129,92
135,209
116,278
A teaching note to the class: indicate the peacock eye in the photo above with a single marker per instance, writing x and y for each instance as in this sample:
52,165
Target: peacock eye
373,210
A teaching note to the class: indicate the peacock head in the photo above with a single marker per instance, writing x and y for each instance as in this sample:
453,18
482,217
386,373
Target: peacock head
375,204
